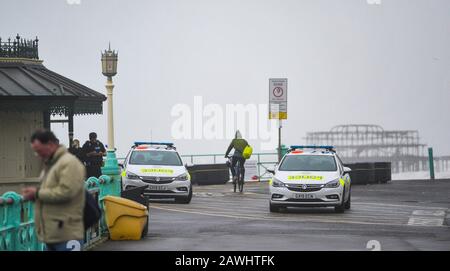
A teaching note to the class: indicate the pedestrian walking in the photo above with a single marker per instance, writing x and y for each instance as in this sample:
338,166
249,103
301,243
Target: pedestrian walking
60,197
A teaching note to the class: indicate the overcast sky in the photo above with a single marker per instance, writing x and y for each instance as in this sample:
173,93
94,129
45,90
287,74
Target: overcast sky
348,62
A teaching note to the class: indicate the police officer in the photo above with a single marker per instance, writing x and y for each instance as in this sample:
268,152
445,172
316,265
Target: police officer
93,152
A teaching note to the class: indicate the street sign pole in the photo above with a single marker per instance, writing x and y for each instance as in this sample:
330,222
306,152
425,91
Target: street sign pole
278,105
279,139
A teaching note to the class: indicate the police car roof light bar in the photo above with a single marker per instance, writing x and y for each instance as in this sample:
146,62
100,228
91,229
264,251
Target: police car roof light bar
328,148
168,144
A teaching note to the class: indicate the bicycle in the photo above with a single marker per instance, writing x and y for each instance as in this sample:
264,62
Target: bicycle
239,174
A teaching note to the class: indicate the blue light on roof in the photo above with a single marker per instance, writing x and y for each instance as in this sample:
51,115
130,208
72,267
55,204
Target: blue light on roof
153,143
311,147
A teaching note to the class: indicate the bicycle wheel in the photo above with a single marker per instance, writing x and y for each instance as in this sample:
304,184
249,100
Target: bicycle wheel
237,170
241,185
240,177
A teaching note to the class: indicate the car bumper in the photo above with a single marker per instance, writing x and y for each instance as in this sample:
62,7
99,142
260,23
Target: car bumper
174,189
282,196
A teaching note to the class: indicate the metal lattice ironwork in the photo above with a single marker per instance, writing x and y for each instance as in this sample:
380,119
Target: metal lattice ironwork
19,48
371,143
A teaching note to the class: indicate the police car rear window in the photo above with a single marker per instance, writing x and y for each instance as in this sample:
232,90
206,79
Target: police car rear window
159,158
308,163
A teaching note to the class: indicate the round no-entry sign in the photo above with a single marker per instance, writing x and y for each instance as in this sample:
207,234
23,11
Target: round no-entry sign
278,92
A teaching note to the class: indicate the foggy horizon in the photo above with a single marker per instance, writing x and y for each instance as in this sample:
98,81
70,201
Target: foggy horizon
347,62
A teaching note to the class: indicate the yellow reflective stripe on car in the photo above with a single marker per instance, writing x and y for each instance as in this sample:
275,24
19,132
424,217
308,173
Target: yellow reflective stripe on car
156,170
342,181
305,177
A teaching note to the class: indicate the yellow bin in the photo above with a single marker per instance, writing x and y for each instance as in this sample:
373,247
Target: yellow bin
125,218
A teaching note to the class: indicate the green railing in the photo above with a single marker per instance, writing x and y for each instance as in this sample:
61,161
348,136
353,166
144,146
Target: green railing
17,231
17,224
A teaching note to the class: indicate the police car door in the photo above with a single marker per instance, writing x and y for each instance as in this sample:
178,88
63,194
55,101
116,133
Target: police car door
345,176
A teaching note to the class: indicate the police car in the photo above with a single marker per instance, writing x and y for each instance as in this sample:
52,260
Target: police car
310,176
158,166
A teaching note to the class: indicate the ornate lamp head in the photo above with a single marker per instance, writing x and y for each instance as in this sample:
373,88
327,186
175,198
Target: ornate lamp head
109,62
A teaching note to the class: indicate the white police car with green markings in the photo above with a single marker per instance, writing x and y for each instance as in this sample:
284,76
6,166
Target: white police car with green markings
310,176
158,166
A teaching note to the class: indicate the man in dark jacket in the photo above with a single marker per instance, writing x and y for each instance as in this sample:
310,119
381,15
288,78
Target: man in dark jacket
238,144
93,151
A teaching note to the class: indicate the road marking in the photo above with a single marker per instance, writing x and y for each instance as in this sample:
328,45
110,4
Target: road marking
427,218
266,196
363,211
428,213
397,205
425,221
353,213
357,206
207,194
250,205
280,218
300,216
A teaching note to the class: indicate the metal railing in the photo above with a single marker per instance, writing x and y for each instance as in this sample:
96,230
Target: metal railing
263,161
17,224
17,227
19,48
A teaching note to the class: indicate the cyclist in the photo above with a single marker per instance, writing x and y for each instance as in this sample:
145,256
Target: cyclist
238,144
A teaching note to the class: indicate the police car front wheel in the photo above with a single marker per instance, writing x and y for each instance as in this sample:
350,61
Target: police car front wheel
348,203
275,209
185,200
341,207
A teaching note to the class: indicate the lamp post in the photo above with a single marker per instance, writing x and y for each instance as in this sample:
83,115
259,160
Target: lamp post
109,69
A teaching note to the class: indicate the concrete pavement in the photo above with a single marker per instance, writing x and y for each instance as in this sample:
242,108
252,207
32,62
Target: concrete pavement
400,215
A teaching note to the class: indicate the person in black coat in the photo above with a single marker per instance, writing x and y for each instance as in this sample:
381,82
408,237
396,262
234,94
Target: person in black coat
76,150
93,151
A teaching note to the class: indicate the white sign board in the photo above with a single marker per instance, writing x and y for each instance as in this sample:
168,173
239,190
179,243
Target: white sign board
251,170
278,98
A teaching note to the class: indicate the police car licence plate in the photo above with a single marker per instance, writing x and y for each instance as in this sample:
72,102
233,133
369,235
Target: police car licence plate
304,196
157,187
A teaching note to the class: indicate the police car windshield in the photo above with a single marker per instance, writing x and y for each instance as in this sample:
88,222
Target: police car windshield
152,157
308,163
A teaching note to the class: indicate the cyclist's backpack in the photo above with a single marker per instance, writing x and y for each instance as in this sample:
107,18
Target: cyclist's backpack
92,212
248,150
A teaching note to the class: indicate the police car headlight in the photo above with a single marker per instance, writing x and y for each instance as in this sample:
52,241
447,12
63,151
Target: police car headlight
132,176
332,184
277,183
182,177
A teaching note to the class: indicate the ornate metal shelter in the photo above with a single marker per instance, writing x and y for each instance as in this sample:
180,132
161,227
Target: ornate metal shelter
27,85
